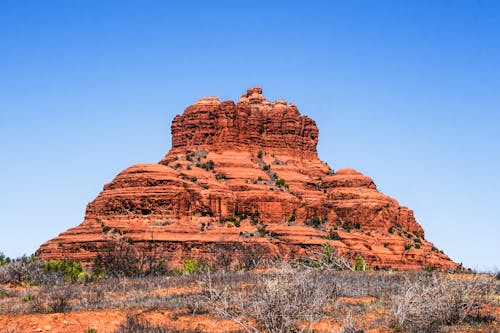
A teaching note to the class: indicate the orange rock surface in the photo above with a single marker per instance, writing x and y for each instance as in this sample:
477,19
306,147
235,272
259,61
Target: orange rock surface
235,169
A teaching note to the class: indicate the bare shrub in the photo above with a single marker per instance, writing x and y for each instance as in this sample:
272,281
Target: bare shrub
92,297
376,284
426,305
58,299
120,258
134,324
250,258
222,260
4,293
47,299
328,259
26,269
281,302
139,293
37,305
348,326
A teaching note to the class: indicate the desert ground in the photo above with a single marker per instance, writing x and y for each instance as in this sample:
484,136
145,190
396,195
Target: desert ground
272,297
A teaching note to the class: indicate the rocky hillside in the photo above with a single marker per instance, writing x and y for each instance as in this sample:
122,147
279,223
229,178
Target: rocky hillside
245,178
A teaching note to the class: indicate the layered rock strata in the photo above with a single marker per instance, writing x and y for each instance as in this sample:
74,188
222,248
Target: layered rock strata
244,178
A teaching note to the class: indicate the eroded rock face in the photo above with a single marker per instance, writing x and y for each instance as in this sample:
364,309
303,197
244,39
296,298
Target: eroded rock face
247,176
252,123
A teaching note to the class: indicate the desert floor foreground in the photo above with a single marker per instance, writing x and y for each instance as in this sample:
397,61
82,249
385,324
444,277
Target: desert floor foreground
282,299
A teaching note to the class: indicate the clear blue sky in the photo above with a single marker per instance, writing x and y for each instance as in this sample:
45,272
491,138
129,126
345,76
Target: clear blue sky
407,92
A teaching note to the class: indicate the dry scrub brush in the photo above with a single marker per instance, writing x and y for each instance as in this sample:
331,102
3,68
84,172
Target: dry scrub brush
135,324
430,303
290,300
348,326
28,270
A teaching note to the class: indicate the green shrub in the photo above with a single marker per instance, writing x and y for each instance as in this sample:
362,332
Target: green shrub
4,259
220,176
91,330
84,276
408,246
208,166
254,218
262,231
328,254
231,218
316,221
333,235
260,154
360,264
281,183
73,271
266,167
348,226
191,266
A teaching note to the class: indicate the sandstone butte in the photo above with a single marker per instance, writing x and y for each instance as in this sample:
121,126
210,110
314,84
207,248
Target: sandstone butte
246,177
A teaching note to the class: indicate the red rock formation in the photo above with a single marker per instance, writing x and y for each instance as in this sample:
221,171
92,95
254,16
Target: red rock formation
233,169
252,123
